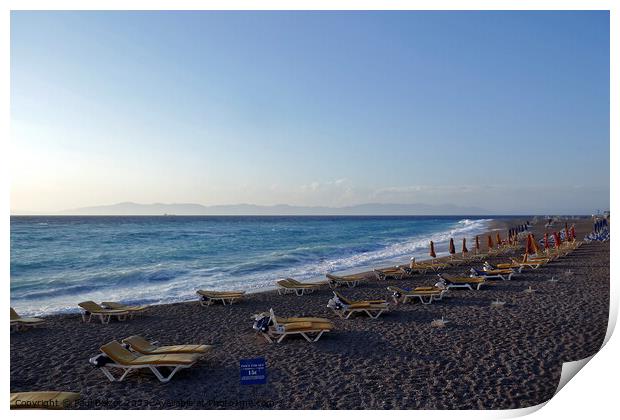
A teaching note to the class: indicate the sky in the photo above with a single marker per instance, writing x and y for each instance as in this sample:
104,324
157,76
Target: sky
508,111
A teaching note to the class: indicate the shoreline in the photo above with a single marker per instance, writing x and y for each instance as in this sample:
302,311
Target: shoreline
490,226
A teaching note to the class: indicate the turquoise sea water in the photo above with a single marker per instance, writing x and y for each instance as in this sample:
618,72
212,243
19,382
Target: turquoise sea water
57,262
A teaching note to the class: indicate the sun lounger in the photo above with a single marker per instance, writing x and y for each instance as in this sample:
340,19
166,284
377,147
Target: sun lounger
20,323
140,345
454,282
532,263
504,274
132,309
90,309
507,266
47,400
114,355
426,294
208,297
351,280
273,328
396,273
422,267
344,307
289,285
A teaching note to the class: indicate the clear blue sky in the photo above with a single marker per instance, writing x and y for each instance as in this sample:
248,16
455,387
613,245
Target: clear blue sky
503,110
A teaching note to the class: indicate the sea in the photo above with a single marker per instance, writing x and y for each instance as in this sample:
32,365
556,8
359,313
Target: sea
59,261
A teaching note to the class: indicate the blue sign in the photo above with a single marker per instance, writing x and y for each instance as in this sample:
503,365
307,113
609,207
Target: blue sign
253,371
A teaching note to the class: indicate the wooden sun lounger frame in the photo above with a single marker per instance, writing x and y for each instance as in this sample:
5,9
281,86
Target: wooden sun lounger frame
435,294
372,308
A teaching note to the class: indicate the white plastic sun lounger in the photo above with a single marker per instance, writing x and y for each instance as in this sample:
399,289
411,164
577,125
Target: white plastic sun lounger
426,295
274,329
121,358
90,309
344,307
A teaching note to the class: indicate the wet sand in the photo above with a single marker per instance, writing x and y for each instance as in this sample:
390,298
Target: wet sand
485,358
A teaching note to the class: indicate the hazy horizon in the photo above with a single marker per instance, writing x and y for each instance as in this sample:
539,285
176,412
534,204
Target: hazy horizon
505,111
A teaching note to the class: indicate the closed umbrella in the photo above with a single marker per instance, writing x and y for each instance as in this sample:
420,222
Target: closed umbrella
528,246
572,233
556,238
452,250
565,231
534,244
498,239
546,241
490,242
477,244
432,253
464,249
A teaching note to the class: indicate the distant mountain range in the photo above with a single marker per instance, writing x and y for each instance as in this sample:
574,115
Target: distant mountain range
191,209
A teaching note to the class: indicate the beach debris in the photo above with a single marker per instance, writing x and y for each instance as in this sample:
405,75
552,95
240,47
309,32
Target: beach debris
497,303
553,279
529,290
439,323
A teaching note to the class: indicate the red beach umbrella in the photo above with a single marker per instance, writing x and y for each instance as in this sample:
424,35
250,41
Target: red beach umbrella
489,242
464,249
498,239
572,233
566,238
452,250
546,241
432,253
477,244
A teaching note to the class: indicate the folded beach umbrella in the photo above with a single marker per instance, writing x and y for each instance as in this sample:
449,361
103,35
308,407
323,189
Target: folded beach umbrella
528,245
572,233
452,250
556,238
489,242
464,250
534,244
498,239
477,244
432,253
566,231
546,241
